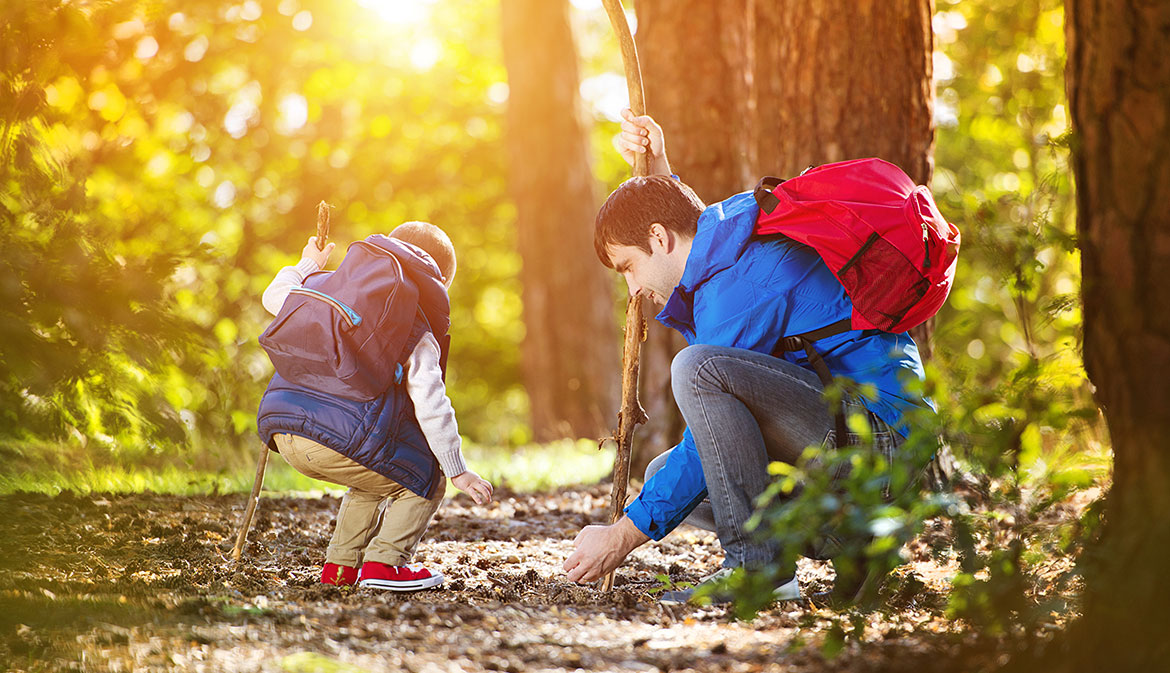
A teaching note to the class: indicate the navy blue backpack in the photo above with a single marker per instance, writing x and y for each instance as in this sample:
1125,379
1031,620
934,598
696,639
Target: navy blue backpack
343,332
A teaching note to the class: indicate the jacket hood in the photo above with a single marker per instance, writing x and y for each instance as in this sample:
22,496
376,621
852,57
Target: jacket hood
424,273
723,231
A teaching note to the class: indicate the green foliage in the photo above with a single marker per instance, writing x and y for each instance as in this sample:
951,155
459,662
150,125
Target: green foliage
1002,175
666,584
84,314
1034,447
862,521
161,161
50,468
1020,412
1002,533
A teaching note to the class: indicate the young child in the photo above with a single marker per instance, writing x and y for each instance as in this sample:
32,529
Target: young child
392,452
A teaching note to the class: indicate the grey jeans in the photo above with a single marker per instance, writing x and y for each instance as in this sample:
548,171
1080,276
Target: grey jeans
746,409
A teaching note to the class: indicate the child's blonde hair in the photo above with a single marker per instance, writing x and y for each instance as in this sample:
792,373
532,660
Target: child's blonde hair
434,241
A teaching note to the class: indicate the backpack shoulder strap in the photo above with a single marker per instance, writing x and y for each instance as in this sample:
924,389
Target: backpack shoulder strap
420,328
804,342
765,199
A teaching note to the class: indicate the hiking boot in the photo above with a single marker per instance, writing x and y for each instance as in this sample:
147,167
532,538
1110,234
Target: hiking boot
786,591
340,575
398,578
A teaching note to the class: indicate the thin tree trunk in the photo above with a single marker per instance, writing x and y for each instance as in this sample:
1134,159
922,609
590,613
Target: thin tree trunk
1118,82
570,355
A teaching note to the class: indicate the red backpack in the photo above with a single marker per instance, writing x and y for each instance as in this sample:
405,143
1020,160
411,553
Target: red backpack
880,234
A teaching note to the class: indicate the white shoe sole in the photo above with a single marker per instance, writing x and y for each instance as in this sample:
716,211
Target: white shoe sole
789,591
413,585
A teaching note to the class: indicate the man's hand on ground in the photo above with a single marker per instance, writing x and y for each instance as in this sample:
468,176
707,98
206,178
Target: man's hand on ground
601,549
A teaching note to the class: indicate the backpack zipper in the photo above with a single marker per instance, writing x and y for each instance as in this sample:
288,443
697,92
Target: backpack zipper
379,250
347,313
925,247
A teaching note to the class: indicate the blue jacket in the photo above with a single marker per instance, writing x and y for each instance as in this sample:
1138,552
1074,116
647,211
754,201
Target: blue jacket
380,434
748,292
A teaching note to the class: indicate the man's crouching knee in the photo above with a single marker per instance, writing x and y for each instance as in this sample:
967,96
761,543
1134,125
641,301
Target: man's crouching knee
687,366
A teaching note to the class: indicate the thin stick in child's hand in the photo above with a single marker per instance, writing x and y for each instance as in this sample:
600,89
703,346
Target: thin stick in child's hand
322,224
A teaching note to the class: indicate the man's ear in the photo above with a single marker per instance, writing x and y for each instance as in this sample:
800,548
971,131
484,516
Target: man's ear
661,238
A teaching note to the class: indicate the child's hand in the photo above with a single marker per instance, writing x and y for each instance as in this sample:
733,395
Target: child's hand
321,257
643,135
472,484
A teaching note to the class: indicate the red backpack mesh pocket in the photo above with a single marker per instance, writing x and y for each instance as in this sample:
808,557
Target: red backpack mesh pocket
882,283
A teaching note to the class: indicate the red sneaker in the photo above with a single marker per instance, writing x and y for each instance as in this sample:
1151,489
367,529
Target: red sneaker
338,574
398,578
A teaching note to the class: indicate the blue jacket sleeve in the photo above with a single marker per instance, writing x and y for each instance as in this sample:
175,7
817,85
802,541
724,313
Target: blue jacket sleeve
671,493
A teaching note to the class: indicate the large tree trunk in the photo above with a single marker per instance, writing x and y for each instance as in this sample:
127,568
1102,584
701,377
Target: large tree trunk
696,69
697,66
1119,92
745,88
845,79
570,346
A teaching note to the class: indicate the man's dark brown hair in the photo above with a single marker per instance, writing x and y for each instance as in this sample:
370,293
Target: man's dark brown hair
433,241
626,217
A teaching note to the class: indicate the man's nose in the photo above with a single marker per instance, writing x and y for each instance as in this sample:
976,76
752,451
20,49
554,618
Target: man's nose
632,286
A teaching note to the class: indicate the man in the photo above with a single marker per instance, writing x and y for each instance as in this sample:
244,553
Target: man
733,296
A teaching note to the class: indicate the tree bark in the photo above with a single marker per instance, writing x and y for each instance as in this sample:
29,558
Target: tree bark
697,60
845,79
569,352
696,65
1118,80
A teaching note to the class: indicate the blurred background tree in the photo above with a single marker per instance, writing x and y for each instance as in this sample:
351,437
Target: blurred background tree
569,350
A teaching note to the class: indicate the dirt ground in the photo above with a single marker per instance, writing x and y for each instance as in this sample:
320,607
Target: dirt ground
145,583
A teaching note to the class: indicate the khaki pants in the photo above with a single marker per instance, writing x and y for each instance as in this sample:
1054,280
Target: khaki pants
368,527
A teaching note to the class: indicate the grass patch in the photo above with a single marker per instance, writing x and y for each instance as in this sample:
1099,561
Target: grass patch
541,467
312,662
171,479
526,469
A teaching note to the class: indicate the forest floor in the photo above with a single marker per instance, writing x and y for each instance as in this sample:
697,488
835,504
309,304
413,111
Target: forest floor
145,582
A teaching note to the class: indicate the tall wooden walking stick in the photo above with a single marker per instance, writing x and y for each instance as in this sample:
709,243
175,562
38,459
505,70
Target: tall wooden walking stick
262,459
631,413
